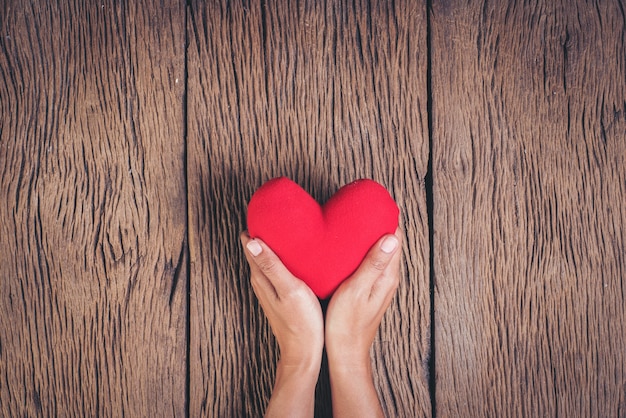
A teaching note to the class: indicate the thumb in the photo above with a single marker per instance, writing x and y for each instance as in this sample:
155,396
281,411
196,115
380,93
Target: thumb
264,261
377,259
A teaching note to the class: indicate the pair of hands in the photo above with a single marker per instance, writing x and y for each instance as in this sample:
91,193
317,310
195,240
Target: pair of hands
352,319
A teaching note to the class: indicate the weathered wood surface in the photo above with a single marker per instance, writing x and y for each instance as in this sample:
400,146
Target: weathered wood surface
324,94
529,179
101,164
92,209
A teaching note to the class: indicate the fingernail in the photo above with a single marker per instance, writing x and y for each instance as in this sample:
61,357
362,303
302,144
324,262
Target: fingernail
389,244
254,247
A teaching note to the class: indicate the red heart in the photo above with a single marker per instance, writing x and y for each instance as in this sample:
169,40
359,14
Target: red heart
321,245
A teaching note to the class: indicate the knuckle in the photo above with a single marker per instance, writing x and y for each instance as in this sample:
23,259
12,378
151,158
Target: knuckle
267,265
378,264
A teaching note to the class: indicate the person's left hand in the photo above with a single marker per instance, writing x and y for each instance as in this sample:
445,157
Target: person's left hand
357,306
352,320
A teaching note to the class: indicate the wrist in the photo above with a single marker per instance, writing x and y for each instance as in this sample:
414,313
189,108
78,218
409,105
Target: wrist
348,352
355,363
306,367
294,389
352,386
300,360
301,377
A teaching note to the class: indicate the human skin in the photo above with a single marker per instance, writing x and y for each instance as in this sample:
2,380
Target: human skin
295,315
352,319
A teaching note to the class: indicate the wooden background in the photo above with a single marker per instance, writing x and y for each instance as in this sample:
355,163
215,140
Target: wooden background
132,135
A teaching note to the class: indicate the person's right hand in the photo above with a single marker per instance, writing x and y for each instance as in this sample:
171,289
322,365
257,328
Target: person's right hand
295,315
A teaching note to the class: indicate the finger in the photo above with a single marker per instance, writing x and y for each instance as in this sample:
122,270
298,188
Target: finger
377,260
384,288
264,261
263,288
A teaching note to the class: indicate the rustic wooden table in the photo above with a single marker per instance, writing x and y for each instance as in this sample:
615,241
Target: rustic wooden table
132,135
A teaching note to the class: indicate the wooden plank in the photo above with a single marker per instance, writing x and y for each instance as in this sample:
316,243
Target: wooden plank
92,209
324,94
529,187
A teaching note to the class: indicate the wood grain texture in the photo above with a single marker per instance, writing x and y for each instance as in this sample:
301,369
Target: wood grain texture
529,150
92,209
324,93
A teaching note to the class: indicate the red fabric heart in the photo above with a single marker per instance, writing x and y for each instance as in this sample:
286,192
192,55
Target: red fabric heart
321,245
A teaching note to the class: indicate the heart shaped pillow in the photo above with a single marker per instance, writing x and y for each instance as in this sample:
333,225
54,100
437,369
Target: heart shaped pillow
321,245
